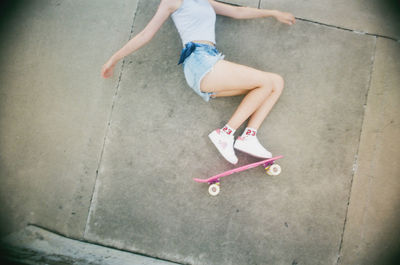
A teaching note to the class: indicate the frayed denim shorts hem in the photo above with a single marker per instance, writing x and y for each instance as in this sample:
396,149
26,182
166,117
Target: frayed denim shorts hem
199,63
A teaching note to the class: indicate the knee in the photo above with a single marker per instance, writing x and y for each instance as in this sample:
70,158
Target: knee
278,83
273,82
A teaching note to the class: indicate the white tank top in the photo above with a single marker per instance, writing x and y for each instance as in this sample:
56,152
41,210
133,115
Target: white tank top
195,20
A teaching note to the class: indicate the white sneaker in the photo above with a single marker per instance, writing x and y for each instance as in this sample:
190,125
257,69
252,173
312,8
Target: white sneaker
251,146
224,144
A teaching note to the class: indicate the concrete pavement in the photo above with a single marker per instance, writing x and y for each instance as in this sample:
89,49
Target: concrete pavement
373,217
111,162
34,245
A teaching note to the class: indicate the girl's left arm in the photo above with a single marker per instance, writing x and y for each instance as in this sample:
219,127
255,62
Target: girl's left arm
241,12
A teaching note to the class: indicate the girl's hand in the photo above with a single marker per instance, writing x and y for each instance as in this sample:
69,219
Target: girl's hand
286,18
108,69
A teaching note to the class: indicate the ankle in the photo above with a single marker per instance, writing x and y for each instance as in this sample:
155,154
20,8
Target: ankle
249,132
228,130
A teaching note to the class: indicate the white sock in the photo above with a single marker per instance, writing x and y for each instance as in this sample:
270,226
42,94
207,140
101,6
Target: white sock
249,132
228,130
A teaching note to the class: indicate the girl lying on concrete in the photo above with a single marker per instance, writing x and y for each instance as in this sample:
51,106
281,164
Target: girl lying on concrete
209,75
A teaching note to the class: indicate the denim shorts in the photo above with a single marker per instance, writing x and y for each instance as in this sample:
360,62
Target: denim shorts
200,62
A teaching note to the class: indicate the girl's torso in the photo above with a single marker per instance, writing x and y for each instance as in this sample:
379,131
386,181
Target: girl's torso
195,21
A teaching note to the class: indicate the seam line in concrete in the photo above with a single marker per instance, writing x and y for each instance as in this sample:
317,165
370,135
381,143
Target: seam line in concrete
380,109
232,4
100,245
347,29
329,25
93,199
355,165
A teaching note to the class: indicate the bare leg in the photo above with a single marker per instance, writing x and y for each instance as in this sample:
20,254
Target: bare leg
263,90
262,112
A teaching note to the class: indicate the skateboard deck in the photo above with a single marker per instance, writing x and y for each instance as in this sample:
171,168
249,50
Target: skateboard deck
214,180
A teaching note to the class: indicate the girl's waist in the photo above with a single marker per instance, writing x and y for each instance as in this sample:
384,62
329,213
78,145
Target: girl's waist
193,45
204,42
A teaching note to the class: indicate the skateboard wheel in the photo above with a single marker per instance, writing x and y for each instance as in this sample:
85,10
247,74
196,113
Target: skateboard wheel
274,170
214,189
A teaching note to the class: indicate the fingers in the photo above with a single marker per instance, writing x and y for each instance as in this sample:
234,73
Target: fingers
290,19
288,22
287,18
106,72
293,20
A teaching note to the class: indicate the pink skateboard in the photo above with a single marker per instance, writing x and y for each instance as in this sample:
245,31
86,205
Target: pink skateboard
271,168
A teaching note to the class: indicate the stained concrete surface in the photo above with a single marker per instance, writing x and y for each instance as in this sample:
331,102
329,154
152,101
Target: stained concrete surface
372,227
34,245
54,108
146,132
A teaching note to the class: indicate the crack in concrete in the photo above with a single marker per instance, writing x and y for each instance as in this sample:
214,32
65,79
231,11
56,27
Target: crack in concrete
373,163
347,29
330,25
93,200
355,165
